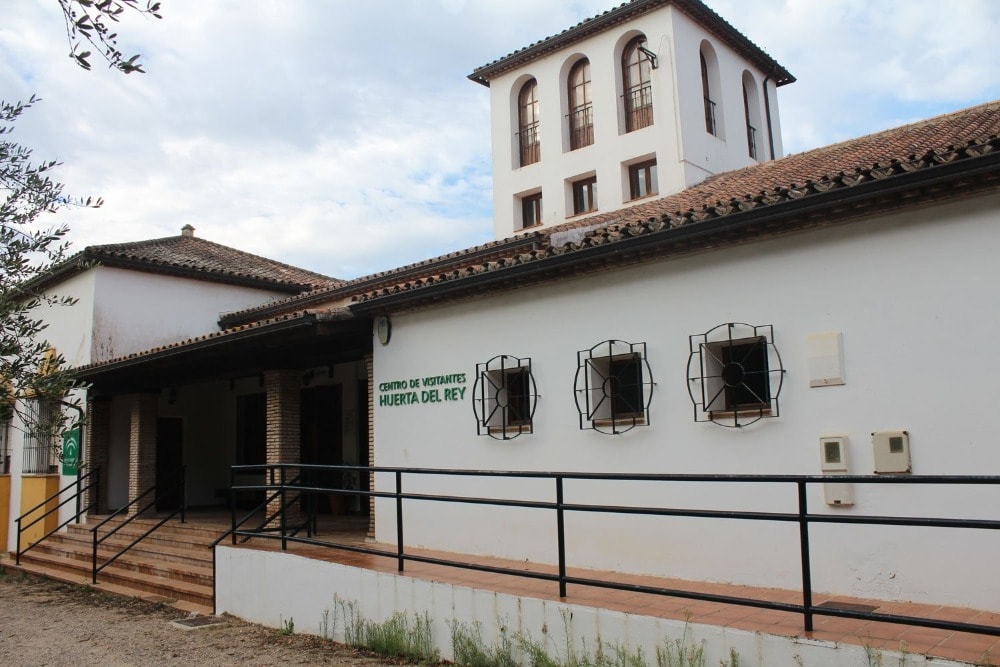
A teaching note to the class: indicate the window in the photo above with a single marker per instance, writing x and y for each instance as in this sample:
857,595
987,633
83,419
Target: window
638,98
504,397
585,195
41,421
642,179
4,445
613,386
734,374
710,126
527,135
751,112
581,109
531,210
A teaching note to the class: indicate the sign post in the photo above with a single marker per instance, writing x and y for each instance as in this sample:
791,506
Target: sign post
70,451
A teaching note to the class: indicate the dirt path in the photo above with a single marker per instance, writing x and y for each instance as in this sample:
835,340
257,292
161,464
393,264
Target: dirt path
47,623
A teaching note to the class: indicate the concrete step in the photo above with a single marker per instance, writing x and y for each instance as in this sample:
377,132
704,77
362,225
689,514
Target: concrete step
152,581
192,555
199,573
31,569
172,531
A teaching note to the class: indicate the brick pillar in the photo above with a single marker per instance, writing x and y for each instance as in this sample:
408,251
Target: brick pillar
284,436
370,370
141,446
96,446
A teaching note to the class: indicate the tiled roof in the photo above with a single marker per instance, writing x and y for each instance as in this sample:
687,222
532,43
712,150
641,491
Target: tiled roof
627,11
197,258
921,146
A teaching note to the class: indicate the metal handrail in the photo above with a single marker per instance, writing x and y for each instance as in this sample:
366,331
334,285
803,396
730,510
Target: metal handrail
176,482
801,516
75,517
261,526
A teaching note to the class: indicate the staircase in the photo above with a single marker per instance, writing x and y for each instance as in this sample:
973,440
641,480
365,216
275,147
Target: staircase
173,565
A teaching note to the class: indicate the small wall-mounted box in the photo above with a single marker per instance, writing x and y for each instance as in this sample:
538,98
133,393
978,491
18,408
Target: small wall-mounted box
825,354
891,452
833,461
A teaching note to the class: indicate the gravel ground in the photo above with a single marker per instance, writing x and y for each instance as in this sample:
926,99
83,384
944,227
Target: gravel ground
48,623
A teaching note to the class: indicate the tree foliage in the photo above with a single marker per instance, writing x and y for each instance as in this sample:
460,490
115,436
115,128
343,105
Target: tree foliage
29,248
90,22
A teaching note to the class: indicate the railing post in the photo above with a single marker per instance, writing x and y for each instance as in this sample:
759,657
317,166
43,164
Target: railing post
561,532
79,490
281,511
232,501
183,493
399,520
807,608
17,553
93,558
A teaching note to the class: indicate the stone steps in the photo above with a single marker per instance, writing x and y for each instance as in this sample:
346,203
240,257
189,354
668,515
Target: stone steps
173,565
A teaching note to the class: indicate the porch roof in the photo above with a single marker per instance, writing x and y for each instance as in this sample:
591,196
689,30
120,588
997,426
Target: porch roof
301,340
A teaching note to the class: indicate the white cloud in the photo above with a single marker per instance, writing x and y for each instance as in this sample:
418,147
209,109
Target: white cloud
345,137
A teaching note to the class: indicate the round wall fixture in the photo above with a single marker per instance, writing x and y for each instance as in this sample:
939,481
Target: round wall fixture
383,329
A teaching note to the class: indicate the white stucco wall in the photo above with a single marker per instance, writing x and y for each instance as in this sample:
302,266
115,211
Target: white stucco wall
288,587
137,311
685,152
909,292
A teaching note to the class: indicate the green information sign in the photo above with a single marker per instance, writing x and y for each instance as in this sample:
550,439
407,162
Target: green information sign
70,451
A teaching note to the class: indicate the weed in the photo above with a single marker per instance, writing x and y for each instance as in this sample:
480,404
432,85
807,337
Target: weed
402,635
287,626
468,647
682,652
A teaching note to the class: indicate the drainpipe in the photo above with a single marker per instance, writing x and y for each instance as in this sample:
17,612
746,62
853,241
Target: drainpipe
767,112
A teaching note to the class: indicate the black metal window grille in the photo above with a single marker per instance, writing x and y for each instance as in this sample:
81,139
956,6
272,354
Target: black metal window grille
527,113
581,109
38,438
636,74
710,125
751,130
734,374
531,210
4,446
613,387
504,397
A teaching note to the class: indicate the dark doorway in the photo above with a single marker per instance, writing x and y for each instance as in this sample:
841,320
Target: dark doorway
323,441
364,455
169,461
251,445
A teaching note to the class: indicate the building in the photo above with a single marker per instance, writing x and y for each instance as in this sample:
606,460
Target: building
649,98
130,297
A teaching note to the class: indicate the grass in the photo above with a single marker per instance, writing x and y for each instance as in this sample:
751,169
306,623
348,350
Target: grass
401,635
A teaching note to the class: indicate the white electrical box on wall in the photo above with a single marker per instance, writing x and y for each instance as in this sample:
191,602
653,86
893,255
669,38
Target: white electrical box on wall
825,354
833,461
892,451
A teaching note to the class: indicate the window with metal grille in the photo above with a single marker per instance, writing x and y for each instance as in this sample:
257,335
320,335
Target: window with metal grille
636,73
709,76
39,417
527,134
504,397
614,386
581,108
734,374
585,195
4,446
642,179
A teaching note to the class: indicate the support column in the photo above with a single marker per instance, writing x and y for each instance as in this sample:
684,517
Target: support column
97,444
141,446
284,430
370,370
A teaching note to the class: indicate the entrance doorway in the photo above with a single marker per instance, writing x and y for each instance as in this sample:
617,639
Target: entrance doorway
322,441
169,461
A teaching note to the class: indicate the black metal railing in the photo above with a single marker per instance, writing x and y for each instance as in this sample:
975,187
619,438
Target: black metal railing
581,127
801,516
638,108
529,143
710,125
92,479
176,484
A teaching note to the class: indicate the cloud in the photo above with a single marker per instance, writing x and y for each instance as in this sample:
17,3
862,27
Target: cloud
345,137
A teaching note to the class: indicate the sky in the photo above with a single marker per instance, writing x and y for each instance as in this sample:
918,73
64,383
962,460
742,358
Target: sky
344,137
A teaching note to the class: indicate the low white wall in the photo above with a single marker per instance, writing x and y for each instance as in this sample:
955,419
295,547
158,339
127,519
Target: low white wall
273,588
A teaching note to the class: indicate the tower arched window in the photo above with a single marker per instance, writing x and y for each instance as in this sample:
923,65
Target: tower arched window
711,90
710,125
751,111
636,74
527,133
581,108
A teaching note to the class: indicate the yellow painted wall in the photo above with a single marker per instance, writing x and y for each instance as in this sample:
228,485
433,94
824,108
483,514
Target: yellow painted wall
4,509
35,489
